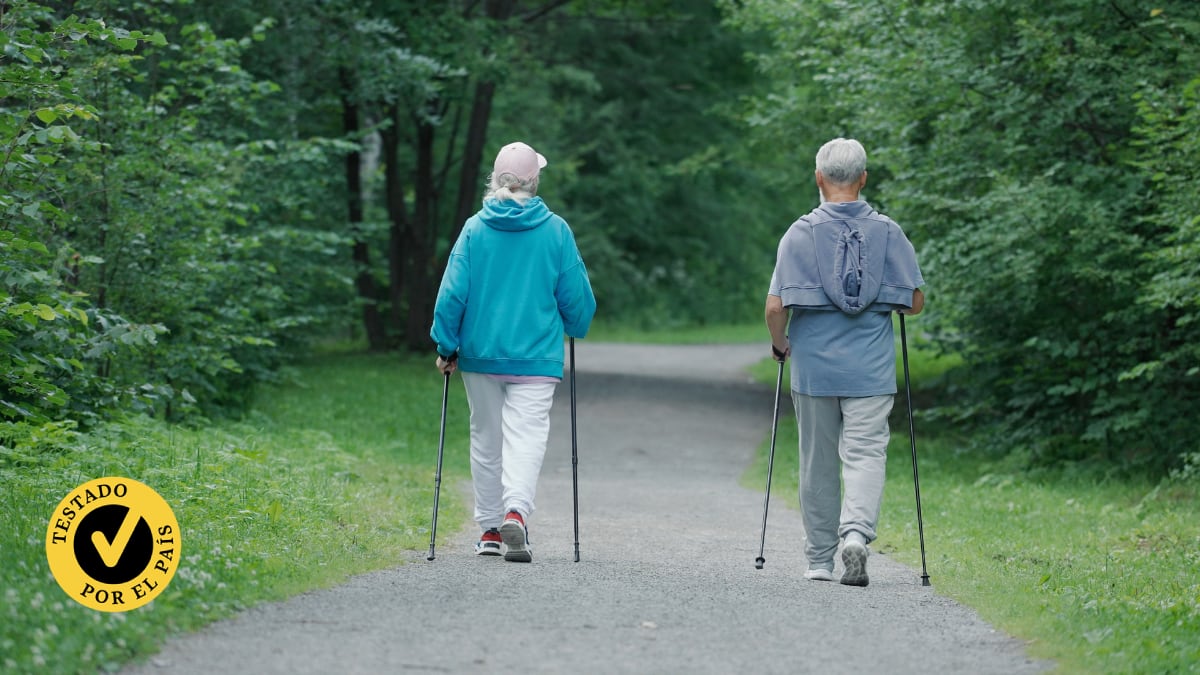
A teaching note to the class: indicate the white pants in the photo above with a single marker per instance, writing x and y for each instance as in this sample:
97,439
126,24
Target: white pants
509,427
842,440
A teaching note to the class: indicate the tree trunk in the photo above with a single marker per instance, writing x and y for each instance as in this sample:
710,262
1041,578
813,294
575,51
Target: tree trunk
398,216
425,271
363,281
469,185
419,242
481,113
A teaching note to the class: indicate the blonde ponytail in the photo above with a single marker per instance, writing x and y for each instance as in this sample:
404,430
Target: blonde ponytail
507,187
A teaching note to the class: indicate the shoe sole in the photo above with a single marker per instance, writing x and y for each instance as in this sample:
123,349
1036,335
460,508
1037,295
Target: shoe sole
854,557
517,541
490,550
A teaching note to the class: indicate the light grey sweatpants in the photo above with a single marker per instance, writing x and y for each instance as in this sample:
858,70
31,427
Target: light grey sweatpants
846,436
510,424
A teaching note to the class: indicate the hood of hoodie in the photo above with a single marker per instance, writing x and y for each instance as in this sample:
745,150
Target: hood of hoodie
851,249
513,217
848,257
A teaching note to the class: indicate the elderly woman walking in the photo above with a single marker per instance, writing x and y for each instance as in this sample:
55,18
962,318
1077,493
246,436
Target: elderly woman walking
514,284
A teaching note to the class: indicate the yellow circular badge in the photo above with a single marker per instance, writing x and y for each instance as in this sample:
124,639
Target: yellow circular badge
113,544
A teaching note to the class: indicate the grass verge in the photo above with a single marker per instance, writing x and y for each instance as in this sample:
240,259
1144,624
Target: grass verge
315,485
1099,576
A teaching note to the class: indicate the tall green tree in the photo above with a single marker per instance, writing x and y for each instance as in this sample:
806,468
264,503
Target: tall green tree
409,85
425,92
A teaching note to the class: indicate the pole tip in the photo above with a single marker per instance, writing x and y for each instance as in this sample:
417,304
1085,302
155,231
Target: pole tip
925,580
759,562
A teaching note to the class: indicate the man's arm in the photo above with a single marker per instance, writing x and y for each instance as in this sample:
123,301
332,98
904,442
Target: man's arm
918,303
777,321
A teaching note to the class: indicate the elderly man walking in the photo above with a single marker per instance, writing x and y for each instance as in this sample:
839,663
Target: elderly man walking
840,272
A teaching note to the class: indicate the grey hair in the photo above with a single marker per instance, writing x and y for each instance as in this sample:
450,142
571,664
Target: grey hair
508,187
842,161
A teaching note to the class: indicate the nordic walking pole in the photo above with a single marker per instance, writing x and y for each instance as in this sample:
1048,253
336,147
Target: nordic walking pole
912,437
574,452
437,477
760,561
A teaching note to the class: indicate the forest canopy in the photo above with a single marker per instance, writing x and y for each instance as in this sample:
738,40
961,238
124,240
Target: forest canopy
193,192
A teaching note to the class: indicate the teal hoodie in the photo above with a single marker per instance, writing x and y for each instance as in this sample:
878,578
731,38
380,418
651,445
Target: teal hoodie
515,282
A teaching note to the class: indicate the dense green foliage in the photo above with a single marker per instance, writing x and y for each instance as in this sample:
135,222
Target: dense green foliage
188,204
1043,158
138,275
194,191
642,162
674,218
46,326
328,476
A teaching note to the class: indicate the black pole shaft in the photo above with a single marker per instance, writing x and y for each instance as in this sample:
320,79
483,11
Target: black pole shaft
437,477
912,437
574,452
762,544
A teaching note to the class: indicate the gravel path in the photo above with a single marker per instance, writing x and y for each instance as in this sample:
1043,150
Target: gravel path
666,583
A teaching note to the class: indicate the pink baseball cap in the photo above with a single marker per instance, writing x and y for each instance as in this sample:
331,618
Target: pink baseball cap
520,160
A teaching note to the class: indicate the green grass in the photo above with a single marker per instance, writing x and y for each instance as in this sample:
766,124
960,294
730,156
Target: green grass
329,476
1100,576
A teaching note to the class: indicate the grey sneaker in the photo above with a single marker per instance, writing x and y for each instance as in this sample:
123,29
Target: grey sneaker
516,538
854,557
818,574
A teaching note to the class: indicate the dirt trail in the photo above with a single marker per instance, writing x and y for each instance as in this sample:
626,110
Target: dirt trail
666,583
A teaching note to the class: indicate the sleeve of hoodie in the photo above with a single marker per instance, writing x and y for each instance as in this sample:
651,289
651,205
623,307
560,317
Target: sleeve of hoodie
902,274
576,303
452,295
797,277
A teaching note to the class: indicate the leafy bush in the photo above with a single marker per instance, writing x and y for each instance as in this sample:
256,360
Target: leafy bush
139,272
51,334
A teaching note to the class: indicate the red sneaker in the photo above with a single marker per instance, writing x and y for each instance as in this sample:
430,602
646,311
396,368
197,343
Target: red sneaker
516,538
489,543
